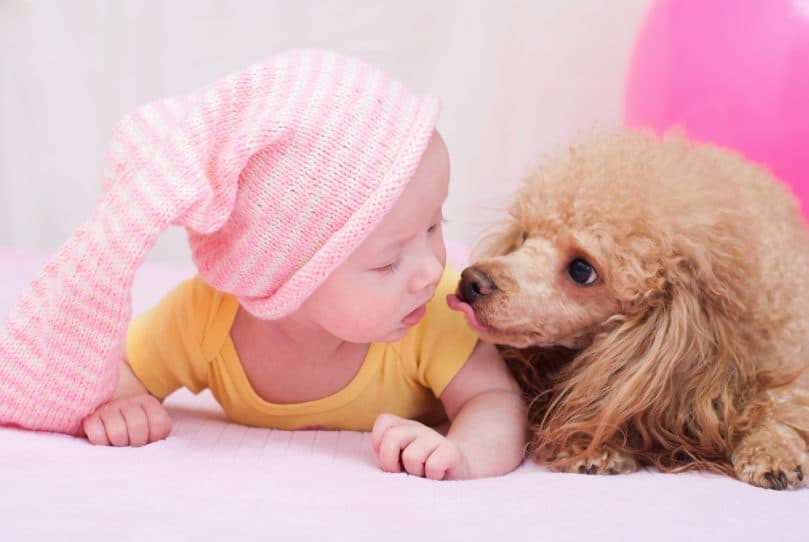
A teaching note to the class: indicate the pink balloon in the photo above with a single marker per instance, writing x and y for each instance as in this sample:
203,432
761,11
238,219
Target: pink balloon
732,72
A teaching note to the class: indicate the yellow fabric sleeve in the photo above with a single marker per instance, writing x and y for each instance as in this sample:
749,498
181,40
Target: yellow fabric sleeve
171,345
443,342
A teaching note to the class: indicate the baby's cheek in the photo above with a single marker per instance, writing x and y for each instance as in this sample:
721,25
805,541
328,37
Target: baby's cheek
357,322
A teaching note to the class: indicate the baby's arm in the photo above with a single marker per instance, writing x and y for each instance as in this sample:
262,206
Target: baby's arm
487,411
133,417
487,433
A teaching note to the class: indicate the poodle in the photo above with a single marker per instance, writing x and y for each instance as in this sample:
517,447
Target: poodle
652,297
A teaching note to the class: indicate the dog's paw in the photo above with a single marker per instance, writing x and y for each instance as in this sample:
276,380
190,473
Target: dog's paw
772,459
606,461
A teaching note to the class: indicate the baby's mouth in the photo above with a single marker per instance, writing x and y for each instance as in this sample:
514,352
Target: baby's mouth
456,304
415,316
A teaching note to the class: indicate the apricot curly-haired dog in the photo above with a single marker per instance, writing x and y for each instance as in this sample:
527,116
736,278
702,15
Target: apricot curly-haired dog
655,296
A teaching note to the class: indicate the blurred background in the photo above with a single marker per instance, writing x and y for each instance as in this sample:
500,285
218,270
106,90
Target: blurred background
516,78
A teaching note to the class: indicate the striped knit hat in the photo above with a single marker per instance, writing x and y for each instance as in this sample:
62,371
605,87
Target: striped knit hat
277,172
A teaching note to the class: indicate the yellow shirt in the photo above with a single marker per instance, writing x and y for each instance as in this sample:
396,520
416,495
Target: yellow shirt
184,341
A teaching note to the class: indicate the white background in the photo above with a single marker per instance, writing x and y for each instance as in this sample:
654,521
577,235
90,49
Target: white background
516,79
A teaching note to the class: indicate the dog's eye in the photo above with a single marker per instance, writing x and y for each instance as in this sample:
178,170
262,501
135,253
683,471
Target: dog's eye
524,237
582,272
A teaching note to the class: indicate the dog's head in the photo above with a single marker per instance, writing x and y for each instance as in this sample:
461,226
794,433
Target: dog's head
630,251
619,227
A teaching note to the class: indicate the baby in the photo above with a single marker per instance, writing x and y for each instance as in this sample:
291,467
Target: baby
312,188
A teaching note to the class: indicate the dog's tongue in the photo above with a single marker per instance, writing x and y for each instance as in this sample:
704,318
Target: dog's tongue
456,304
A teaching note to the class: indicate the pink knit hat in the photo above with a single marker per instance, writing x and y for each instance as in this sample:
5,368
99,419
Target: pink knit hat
277,172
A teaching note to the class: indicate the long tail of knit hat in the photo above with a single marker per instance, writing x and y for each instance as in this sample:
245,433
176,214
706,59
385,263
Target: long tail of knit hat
277,172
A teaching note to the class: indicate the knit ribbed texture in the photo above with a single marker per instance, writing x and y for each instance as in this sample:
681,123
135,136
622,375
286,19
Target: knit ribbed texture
277,172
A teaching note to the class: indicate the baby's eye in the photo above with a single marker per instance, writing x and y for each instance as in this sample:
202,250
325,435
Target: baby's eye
390,268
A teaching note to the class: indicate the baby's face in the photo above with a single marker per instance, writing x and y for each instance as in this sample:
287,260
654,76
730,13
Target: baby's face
380,291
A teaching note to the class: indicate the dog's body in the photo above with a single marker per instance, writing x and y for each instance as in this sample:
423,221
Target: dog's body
655,296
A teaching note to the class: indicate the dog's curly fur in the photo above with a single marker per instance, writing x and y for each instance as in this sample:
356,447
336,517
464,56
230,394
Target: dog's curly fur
687,349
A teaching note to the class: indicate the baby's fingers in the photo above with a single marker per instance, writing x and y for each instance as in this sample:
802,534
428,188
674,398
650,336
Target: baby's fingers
94,429
137,423
159,421
382,423
444,462
114,425
394,440
416,453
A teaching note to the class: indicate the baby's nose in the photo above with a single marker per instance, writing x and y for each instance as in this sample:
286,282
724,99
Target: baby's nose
475,284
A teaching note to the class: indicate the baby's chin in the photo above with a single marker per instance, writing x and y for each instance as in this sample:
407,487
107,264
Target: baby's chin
380,336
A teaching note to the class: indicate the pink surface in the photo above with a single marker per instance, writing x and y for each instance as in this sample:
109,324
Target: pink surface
212,480
732,72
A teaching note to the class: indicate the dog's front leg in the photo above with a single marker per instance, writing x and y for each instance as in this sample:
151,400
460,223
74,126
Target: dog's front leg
774,453
605,460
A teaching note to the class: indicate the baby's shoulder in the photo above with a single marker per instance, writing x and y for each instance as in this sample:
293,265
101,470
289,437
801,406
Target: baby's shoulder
201,297
206,313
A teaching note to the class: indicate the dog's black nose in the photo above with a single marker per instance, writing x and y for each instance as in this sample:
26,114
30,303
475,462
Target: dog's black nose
474,285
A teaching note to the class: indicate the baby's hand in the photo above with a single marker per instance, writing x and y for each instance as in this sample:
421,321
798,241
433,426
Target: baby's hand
134,420
416,448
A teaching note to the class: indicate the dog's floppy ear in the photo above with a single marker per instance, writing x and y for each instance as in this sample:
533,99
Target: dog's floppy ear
666,376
